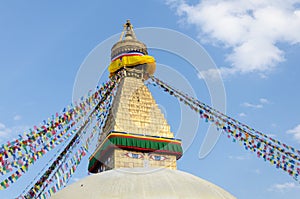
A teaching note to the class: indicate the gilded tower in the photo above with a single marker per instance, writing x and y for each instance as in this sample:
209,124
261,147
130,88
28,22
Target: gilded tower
136,133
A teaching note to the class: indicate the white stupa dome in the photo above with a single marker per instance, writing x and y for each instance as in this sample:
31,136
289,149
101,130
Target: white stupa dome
143,183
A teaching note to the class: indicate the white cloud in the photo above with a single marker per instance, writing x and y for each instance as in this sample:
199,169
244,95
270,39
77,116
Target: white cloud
211,73
239,157
247,104
271,135
274,125
295,132
264,101
215,73
17,117
10,132
252,30
257,171
242,115
2,126
4,133
3,130
284,187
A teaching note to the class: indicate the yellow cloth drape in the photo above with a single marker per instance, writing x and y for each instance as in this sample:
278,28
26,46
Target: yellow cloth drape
129,61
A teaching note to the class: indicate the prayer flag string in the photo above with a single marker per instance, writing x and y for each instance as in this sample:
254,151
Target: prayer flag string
15,153
55,170
13,156
277,153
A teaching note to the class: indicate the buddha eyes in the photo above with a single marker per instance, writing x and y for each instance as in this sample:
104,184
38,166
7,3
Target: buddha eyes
134,155
158,157
141,156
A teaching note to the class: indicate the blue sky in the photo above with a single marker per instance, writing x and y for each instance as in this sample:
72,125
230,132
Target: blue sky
254,45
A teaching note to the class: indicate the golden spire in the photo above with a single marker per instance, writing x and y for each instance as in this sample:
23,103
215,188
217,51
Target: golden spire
128,30
136,133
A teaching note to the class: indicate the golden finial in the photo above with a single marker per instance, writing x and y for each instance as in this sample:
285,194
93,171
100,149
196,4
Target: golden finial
128,31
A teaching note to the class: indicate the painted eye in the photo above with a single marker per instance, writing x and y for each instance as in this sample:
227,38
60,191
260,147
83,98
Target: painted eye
134,155
158,157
